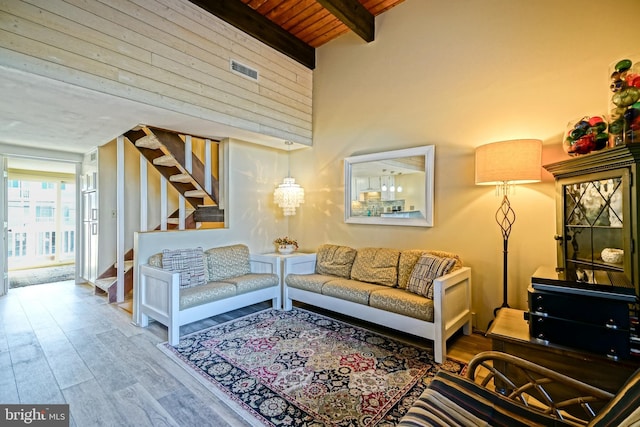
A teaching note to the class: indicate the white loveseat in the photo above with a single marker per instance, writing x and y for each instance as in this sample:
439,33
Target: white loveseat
181,286
386,286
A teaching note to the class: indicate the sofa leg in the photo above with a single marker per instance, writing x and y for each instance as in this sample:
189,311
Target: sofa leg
288,304
144,320
174,335
467,328
439,351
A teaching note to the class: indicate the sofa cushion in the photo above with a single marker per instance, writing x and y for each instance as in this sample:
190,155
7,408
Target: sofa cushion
308,282
453,400
409,257
226,262
428,268
212,291
376,265
335,260
188,262
253,282
402,302
349,290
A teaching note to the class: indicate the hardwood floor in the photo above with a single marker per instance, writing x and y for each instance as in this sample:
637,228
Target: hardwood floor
60,343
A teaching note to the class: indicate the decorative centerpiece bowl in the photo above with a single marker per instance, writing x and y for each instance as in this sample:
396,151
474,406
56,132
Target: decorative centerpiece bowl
285,245
612,255
586,135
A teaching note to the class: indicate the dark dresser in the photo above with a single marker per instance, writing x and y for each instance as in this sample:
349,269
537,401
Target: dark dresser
600,318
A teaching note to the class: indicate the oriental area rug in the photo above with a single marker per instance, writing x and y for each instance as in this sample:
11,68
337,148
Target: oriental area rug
299,368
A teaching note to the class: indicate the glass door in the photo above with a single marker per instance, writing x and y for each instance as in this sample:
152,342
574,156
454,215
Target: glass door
595,235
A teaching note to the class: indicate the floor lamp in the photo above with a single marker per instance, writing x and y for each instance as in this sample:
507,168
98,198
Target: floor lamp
504,164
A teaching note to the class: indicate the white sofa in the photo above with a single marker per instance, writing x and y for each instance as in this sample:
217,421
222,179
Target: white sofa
363,285
232,278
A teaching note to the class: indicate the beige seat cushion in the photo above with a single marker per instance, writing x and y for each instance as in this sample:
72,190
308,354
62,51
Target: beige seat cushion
308,282
335,260
212,291
349,290
376,265
402,302
253,282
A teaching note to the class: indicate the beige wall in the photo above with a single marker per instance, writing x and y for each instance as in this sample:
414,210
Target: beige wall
458,75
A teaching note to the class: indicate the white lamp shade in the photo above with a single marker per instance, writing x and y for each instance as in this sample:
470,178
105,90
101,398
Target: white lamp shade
515,162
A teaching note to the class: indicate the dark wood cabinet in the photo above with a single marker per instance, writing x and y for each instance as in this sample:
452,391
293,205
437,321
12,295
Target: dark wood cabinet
597,217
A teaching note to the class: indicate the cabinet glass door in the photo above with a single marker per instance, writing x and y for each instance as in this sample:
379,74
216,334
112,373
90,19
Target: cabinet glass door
594,229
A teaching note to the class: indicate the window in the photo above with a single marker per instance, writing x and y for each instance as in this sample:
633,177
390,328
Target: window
45,213
17,245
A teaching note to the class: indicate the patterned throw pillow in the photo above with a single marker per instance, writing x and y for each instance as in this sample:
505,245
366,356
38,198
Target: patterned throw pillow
188,262
428,268
409,257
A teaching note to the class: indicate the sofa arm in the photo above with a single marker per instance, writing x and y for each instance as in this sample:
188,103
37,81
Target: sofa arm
301,264
159,293
264,264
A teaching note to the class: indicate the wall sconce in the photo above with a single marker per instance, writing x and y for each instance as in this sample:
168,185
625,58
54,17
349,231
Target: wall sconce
504,164
288,195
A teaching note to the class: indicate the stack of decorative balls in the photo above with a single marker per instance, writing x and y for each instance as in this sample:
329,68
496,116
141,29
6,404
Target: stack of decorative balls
624,126
586,135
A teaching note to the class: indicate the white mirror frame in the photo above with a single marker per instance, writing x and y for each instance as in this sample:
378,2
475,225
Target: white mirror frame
428,151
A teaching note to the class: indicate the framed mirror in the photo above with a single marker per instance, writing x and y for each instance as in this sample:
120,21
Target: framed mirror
390,188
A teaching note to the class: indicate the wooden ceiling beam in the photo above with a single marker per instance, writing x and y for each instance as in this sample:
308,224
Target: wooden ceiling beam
354,15
246,19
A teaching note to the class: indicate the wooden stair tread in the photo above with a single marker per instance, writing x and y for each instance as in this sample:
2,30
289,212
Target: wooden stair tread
166,160
105,283
195,193
182,177
128,265
149,141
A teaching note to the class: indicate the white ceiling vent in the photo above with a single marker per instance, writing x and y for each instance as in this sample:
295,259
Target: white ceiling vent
244,70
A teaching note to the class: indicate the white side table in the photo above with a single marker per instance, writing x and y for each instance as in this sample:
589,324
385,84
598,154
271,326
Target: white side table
281,270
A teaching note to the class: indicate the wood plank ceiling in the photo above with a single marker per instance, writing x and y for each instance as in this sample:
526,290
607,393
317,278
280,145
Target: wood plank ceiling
297,27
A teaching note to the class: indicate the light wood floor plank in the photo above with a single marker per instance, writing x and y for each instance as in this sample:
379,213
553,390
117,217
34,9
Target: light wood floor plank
34,379
145,369
135,403
66,364
8,386
90,406
104,366
196,409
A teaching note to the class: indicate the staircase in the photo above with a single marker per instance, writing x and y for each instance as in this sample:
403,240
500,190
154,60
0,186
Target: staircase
165,151
107,282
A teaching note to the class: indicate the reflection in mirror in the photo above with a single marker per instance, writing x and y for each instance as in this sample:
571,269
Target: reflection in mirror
390,188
